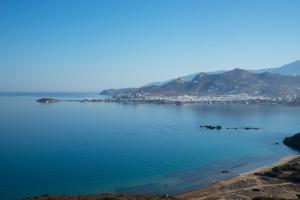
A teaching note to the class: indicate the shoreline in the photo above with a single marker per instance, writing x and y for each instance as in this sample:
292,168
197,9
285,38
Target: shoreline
180,100
249,185
265,168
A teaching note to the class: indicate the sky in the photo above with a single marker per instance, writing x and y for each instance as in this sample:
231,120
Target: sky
91,45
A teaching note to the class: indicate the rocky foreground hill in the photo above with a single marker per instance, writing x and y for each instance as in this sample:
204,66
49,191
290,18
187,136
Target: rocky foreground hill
237,81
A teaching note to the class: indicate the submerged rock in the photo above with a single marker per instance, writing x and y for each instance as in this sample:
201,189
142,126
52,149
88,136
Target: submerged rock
219,127
243,128
225,171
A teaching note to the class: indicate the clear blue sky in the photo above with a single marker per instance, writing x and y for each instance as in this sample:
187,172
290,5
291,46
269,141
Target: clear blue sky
59,45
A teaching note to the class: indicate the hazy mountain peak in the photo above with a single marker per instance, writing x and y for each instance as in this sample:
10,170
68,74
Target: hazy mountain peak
288,69
295,62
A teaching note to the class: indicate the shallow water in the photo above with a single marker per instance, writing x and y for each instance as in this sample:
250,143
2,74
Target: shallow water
72,147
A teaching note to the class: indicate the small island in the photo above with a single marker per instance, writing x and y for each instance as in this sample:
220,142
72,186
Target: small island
47,100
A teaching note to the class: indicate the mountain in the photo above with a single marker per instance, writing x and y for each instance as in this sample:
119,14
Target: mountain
185,78
236,81
292,69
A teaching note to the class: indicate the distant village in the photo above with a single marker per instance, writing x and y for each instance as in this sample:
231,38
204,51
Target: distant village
186,99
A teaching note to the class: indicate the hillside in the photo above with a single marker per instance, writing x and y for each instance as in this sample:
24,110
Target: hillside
236,81
292,69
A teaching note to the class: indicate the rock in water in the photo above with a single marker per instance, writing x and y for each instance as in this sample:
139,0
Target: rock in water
293,141
218,127
47,100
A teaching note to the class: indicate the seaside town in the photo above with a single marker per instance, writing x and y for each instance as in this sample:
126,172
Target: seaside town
185,99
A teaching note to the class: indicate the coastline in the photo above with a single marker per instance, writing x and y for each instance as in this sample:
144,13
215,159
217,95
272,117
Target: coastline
179,100
252,184
265,168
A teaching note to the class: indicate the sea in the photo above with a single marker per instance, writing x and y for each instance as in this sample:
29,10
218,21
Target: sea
91,148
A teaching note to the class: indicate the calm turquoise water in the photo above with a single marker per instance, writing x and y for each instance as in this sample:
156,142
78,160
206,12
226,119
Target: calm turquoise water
73,148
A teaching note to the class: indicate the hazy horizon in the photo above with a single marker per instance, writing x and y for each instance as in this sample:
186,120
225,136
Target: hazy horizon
82,46
124,86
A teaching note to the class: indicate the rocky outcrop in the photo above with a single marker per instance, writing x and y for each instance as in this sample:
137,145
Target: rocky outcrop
293,141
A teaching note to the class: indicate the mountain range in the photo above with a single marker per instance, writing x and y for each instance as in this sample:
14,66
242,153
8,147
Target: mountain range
292,69
271,82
